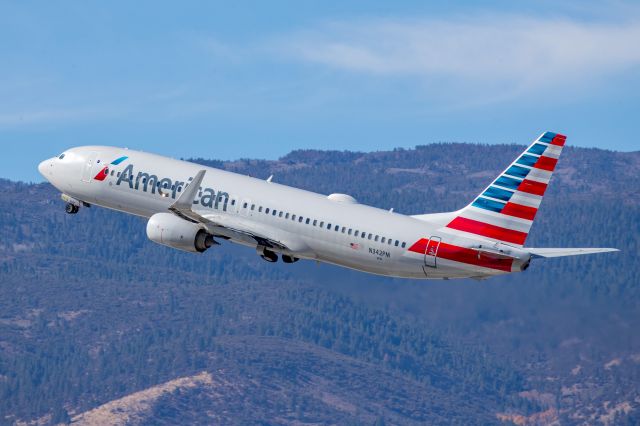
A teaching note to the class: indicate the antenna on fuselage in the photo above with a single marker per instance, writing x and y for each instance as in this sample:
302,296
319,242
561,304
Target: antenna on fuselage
269,178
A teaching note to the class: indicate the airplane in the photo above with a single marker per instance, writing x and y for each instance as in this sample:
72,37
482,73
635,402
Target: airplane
191,208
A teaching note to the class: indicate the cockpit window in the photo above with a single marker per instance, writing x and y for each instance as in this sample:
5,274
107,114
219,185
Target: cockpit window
61,157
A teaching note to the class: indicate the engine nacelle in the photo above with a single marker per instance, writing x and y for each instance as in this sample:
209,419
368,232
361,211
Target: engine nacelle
171,231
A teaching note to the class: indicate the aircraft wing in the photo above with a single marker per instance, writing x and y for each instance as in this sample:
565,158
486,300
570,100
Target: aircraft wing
560,252
219,225
242,230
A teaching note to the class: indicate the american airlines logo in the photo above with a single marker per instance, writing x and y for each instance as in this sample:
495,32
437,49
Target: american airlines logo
166,187
102,174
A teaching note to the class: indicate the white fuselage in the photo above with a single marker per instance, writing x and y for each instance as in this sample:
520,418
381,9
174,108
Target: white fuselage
310,226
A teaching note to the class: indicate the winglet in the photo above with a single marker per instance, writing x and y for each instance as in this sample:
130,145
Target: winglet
185,200
182,206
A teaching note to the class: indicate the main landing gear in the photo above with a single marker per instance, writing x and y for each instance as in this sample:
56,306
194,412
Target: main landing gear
289,259
269,256
272,257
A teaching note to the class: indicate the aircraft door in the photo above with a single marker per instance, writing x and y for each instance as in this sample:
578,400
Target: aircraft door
431,252
88,166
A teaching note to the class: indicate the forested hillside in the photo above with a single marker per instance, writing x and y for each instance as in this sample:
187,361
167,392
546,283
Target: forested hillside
92,312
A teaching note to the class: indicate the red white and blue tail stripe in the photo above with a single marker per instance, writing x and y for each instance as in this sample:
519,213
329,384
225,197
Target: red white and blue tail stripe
505,210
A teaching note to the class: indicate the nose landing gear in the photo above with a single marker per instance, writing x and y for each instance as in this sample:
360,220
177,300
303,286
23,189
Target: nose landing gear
73,205
71,208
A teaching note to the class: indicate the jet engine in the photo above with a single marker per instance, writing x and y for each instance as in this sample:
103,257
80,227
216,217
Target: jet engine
171,231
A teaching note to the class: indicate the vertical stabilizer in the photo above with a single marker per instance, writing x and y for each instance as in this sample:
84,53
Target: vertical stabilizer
505,210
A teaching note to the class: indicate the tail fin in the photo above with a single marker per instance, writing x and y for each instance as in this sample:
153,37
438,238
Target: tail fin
505,210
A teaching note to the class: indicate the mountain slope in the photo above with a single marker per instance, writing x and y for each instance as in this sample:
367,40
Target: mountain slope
90,311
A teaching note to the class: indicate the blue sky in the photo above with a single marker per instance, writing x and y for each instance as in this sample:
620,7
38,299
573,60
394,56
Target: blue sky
260,79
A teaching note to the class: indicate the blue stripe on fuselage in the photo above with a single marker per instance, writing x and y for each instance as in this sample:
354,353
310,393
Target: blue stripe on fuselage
119,160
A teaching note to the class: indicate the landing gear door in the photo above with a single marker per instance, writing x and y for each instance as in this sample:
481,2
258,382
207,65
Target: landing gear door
88,166
431,252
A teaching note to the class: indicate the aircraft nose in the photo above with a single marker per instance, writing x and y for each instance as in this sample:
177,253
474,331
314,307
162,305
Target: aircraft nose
42,167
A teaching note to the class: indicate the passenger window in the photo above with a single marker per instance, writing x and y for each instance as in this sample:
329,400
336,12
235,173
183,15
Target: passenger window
266,210
253,206
321,224
244,206
112,172
274,213
396,244
404,245
344,229
383,240
307,221
364,235
280,214
315,222
300,219
355,234
233,202
390,241
349,231
286,216
328,226
337,228
293,217
370,236
376,238
260,209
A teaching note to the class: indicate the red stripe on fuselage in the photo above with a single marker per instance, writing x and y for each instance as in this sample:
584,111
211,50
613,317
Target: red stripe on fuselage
464,255
101,174
518,210
546,163
532,187
487,230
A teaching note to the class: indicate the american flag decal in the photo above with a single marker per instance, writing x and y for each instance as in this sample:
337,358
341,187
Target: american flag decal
354,246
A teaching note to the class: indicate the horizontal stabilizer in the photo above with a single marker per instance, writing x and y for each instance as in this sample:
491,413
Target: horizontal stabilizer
560,252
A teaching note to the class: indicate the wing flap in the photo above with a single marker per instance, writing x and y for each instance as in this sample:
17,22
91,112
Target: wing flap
560,252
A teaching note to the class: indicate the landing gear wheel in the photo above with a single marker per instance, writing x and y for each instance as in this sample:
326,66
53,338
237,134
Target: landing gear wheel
289,259
71,208
269,256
